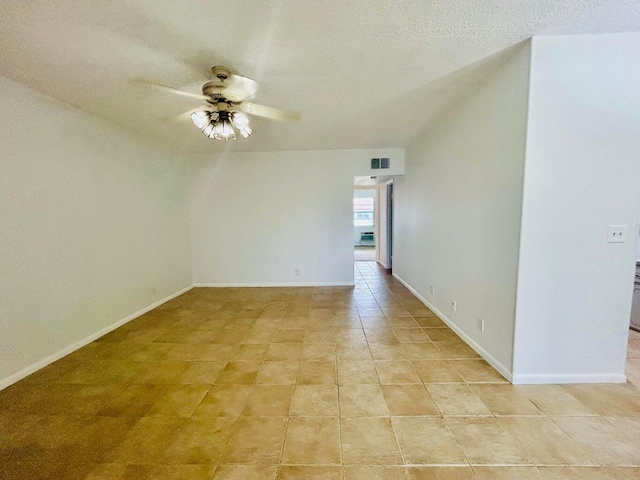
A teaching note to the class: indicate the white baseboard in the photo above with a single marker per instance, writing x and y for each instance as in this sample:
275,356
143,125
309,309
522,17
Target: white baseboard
533,379
504,371
267,284
10,380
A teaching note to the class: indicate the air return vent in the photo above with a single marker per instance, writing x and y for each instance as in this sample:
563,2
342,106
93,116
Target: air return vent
378,163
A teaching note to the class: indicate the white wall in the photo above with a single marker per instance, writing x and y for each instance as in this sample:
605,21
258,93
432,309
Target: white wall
457,209
93,227
582,174
257,217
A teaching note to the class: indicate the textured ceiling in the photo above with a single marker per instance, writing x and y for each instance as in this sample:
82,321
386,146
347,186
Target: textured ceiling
363,73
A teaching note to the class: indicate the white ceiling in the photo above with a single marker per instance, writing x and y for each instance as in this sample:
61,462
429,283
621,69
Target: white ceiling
363,73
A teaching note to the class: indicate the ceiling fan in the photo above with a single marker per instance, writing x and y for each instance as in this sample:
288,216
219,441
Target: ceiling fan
226,105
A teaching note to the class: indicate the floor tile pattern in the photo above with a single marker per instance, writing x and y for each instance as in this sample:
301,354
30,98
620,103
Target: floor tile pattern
306,383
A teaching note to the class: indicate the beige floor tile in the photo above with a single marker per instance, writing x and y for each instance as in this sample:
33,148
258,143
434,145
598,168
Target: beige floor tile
312,441
632,473
408,400
430,322
324,336
477,371
436,371
442,335
201,373
246,472
403,322
362,401
629,426
239,373
315,400
163,440
162,397
289,336
317,373
284,351
134,400
421,351
411,335
379,351
485,442
224,401
353,352
633,371
200,440
614,399
384,336
251,352
575,473
457,399
292,472
150,472
256,440
441,473
507,473
259,336
456,350
505,400
633,349
204,353
427,440
319,352
545,442
278,373
357,373
369,441
396,372
374,473
554,400
607,444
269,401
84,439
179,400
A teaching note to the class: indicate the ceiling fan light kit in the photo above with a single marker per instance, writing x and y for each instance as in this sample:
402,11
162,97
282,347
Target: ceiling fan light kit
226,96
222,125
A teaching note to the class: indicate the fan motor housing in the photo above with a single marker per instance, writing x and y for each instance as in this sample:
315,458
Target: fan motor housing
213,89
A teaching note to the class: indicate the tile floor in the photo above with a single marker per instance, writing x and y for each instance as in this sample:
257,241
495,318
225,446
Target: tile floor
305,383
364,253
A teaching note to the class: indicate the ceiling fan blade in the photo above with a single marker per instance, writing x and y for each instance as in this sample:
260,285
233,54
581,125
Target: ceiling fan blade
164,88
184,116
269,112
242,86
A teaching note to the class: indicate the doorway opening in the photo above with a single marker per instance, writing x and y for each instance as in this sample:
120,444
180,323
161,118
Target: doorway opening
633,347
373,220
364,224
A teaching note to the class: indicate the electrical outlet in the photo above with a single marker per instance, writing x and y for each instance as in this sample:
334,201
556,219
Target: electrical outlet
297,272
617,234
480,324
454,306
432,290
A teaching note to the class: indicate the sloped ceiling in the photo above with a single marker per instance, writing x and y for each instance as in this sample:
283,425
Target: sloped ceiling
363,73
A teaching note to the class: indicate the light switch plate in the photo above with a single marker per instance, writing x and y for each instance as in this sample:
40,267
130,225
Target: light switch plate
617,234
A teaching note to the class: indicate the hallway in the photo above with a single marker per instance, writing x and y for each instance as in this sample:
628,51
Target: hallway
305,383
